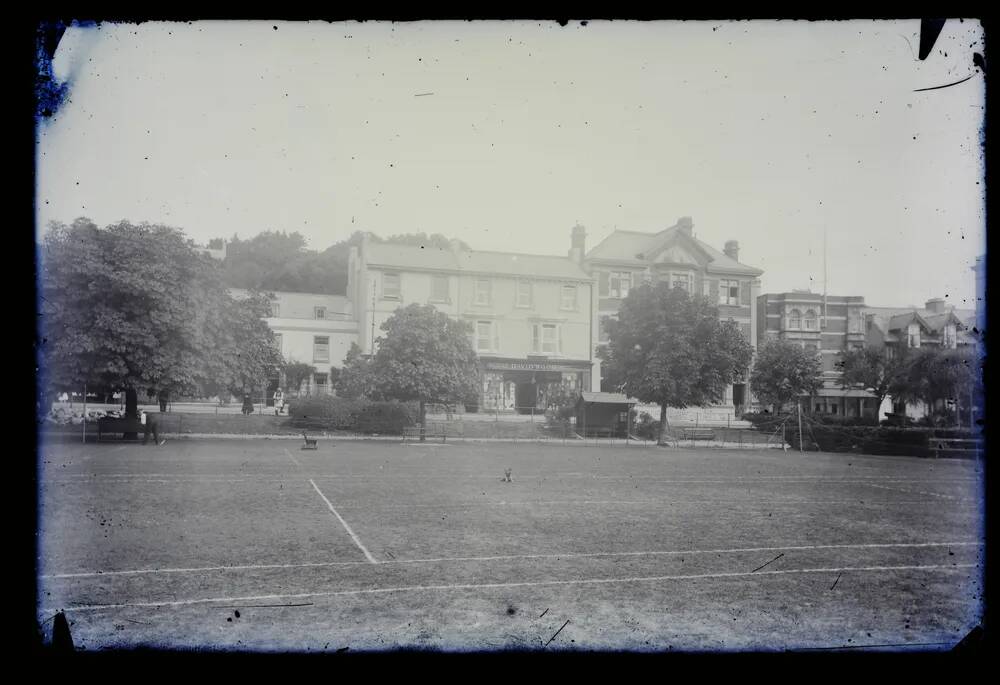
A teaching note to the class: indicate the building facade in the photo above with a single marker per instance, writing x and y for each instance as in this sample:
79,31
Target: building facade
626,259
825,325
314,329
530,316
936,324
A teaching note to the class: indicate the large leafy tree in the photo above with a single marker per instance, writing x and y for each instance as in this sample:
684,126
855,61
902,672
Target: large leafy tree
669,348
425,356
135,307
784,371
933,375
871,369
295,373
355,379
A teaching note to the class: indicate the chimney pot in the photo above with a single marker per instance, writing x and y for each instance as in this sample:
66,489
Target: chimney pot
732,250
935,305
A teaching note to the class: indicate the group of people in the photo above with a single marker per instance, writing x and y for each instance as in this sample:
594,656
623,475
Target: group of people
279,403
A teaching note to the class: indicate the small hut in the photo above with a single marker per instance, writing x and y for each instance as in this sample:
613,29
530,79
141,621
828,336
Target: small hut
603,414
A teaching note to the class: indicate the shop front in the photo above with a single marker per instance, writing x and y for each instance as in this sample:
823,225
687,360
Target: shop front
524,386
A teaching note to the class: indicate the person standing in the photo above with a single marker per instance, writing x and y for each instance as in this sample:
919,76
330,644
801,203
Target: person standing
279,402
150,424
247,404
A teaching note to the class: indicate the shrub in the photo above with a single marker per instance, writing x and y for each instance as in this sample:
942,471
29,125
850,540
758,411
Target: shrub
645,426
339,413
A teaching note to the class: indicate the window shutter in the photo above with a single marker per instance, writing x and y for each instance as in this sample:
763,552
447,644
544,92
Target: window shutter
496,336
558,339
745,292
603,287
535,342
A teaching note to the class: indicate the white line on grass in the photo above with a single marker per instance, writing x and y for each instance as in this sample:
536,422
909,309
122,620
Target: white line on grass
569,555
293,458
489,586
911,492
344,523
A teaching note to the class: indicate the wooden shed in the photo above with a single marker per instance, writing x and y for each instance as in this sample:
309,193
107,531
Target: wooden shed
603,414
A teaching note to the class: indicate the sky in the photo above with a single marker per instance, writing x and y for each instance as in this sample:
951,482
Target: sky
507,134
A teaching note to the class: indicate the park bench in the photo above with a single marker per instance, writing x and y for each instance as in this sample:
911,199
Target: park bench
112,425
955,447
698,433
430,433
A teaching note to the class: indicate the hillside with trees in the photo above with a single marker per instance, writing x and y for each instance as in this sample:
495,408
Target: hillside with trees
275,260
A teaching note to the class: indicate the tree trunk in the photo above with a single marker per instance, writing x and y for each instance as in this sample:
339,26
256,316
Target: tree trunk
131,409
423,421
664,426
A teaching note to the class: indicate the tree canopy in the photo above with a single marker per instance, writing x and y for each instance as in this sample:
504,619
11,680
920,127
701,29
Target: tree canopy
136,306
281,261
425,355
784,371
871,369
669,348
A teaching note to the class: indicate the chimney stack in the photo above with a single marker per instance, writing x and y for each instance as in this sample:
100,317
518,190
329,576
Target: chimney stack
578,244
935,305
685,225
732,250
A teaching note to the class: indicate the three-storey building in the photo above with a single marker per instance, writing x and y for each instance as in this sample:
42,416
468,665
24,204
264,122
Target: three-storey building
530,316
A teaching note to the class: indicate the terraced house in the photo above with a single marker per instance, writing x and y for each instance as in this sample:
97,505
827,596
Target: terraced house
531,316
626,259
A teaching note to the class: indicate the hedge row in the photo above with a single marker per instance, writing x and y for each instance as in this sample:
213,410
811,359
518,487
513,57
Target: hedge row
326,412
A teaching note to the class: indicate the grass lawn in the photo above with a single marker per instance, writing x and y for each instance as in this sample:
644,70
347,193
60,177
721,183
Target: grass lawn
256,545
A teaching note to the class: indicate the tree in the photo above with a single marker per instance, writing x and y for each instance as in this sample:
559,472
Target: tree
355,378
784,371
669,348
426,356
933,375
136,306
871,369
295,373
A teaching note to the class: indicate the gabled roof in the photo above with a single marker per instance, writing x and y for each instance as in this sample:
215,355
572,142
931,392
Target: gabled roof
642,248
404,257
900,321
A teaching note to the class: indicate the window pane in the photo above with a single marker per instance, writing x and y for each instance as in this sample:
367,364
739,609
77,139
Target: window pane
390,286
484,335
523,294
482,291
439,288
319,312
321,349
569,297
275,309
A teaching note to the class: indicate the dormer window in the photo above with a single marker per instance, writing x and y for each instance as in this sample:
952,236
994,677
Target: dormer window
913,335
